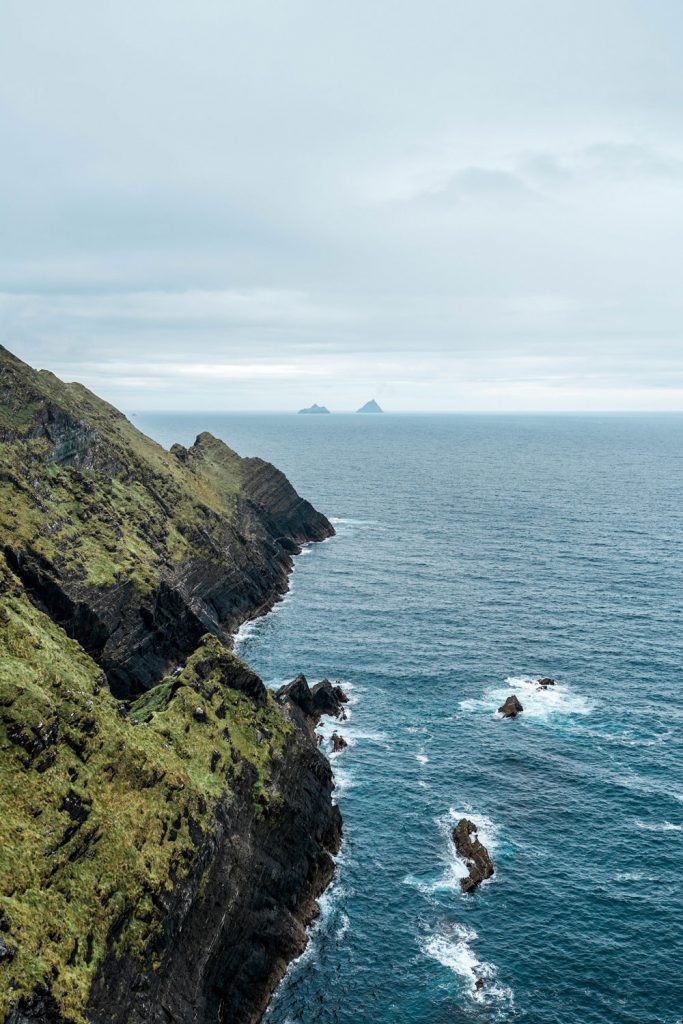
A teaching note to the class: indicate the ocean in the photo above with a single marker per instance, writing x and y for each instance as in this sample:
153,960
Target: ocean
474,554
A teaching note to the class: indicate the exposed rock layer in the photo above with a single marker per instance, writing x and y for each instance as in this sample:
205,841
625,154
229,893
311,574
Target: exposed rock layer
168,824
473,853
511,707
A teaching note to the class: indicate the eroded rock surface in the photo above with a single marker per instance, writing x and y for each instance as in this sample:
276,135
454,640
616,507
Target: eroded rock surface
511,707
474,854
172,821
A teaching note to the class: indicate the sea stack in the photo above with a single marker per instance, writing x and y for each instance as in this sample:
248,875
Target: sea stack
473,853
315,410
371,407
511,708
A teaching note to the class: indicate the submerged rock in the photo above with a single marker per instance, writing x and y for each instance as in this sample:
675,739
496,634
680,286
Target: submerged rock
511,707
473,853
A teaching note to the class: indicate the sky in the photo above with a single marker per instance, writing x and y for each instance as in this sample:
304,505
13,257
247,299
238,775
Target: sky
441,204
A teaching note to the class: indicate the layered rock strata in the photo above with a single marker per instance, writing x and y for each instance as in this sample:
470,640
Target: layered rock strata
167,823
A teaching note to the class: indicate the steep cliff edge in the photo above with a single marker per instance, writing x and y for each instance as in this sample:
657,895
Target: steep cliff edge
167,825
136,551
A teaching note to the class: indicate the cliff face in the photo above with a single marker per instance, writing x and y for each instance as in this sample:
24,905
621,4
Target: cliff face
136,551
167,824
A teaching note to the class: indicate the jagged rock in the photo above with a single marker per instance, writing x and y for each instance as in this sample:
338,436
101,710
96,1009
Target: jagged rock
197,824
473,853
511,707
337,742
546,681
298,692
209,564
323,698
328,699
479,984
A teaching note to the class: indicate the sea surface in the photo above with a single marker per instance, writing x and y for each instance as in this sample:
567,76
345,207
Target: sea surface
473,554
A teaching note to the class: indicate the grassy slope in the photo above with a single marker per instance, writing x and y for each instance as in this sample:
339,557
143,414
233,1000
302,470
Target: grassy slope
87,838
101,810
142,506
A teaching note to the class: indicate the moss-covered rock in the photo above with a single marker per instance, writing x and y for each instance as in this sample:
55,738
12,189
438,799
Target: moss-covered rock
137,551
150,785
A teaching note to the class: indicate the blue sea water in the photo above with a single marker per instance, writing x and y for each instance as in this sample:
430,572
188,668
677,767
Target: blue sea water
474,553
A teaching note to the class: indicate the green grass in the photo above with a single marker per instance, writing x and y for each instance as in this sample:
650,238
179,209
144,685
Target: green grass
62,889
109,812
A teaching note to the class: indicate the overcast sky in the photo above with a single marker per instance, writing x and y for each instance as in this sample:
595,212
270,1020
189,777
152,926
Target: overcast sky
443,204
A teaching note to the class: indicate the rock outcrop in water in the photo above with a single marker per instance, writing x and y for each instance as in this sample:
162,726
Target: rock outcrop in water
511,707
545,682
473,853
307,704
167,825
370,407
314,410
337,743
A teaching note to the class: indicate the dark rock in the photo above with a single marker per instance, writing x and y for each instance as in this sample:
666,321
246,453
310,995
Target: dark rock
298,692
546,681
328,698
7,952
337,742
511,707
35,739
199,714
242,911
479,984
473,853
323,698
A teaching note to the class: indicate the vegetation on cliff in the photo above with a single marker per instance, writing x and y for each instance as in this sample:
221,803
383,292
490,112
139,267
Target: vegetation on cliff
111,807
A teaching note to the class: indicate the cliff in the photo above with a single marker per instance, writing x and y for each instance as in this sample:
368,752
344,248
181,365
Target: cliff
167,824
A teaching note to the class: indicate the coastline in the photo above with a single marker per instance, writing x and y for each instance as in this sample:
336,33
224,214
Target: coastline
186,825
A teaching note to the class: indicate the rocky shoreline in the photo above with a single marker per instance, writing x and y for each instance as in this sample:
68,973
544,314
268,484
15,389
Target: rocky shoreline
171,820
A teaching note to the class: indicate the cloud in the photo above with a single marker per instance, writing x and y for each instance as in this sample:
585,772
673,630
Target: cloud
303,197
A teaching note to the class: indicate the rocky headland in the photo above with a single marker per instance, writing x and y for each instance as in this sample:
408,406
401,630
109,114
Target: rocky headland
167,822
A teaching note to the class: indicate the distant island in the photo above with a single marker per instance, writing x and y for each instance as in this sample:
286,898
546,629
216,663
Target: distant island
314,410
370,406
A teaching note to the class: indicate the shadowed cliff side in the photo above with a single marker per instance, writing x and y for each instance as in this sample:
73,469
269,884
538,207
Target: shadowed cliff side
135,551
167,825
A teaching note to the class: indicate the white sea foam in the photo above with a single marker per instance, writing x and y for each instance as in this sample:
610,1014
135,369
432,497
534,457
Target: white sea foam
658,826
540,704
453,868
453,949
341,521
246,630
422,758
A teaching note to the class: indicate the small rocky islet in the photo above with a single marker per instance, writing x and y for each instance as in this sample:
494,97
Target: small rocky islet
473,853
168,821
315,410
